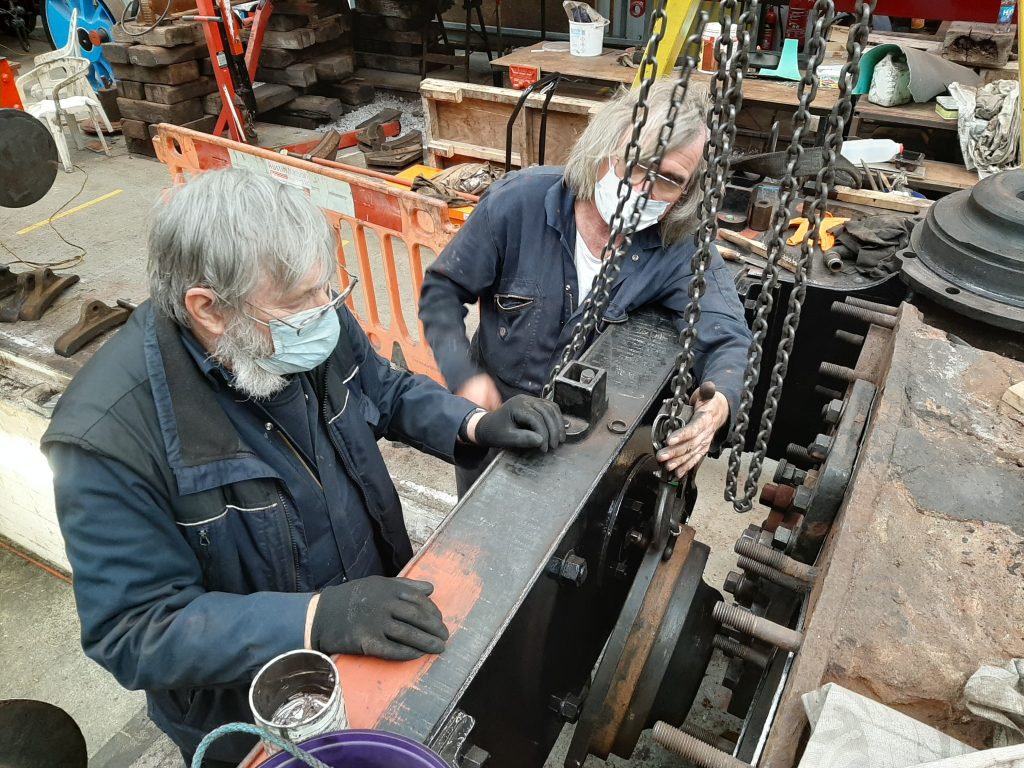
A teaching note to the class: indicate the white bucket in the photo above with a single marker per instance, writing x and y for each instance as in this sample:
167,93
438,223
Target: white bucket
586,38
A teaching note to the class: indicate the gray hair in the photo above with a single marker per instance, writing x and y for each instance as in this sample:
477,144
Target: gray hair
610,130
228,230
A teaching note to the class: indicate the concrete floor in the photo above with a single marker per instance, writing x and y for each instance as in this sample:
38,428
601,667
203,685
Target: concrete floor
39,632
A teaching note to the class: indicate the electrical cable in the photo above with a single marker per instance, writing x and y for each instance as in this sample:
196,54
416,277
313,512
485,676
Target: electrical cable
70,261
157,23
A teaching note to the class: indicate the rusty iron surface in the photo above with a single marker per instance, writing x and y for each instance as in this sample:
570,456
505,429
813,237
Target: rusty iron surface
924,570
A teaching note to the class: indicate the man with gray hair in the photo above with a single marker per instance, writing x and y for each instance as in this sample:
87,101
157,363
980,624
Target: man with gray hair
530,252
216,470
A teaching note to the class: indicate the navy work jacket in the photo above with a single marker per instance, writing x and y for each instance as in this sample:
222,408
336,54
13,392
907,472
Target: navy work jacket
191,567
515,255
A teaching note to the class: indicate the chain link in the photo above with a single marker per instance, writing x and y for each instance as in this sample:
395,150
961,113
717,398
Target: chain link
822,15
621,230
727,97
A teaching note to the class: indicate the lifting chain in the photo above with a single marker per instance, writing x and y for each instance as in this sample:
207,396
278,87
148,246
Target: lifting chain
822,15
726,95
621,231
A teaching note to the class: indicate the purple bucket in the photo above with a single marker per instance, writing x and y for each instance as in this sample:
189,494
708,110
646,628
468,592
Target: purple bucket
362,749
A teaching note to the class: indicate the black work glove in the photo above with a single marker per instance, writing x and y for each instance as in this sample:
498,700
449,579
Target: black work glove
522,422
377,616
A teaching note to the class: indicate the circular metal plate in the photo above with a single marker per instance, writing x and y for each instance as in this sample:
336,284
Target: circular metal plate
95,20
28,159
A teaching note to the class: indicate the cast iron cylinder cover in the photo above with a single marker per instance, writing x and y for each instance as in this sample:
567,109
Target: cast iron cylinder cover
968,252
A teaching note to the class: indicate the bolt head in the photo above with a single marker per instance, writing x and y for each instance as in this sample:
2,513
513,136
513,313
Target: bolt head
732,582
832,412
782,538
802,498
820,447
574,569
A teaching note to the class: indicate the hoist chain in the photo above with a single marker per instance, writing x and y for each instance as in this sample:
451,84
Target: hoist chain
822,15
621,230
726,95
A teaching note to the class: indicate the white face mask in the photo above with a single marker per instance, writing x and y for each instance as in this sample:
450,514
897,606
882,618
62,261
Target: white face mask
606,198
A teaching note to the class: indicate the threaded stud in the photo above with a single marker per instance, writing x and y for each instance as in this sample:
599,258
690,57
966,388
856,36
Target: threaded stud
780,561
840,372
740,618
865,315
693,749
772,575
850,338
872,306
731,647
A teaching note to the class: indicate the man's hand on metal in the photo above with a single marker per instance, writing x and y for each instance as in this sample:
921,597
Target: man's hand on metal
391,618
482,390
522,422
687,447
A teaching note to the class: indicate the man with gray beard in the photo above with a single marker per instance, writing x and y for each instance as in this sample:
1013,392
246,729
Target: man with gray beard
216,470
532,248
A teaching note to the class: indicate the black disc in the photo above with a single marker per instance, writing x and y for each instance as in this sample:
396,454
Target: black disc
28,159
34,734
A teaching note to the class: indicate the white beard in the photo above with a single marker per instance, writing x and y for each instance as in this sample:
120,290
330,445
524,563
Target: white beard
238,349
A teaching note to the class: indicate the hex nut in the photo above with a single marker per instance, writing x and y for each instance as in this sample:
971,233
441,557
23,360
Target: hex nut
783,536
832,412
802,498
819,449
732,581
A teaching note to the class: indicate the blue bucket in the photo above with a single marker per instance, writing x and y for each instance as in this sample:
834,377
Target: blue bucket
362,749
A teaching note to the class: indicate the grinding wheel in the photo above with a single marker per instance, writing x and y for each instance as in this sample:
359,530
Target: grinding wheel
28,159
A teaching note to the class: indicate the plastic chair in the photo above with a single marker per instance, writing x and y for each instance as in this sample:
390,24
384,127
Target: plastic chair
58,93
70,49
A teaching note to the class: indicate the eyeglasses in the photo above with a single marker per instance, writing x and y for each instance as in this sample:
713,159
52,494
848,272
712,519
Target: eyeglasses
337,299
663,187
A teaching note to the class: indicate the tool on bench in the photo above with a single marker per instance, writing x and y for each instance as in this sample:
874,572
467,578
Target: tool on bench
97,318
827,239
33,294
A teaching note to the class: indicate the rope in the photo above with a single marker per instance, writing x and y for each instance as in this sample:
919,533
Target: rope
271,738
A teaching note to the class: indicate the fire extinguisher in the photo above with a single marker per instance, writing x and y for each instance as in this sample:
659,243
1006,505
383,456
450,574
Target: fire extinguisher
796,23
771,18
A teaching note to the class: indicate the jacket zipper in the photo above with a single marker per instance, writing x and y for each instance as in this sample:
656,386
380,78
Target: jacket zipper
207,557
291,540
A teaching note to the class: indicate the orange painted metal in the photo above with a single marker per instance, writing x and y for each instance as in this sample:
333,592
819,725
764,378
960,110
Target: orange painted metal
386,233
9,97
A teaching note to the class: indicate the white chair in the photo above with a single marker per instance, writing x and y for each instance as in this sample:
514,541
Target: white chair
58,93
71,48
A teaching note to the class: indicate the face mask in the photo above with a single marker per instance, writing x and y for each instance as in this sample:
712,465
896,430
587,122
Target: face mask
606,197
295,351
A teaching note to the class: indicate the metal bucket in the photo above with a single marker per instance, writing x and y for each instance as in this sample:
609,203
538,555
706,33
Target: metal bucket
297,696
363,749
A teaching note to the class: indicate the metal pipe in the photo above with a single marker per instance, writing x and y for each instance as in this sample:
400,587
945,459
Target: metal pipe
859,313
772,575
732,647
694,750
850,338
773,558
840,372
874,306
740,618
833,261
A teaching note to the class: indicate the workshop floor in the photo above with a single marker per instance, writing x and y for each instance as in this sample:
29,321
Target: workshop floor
101,210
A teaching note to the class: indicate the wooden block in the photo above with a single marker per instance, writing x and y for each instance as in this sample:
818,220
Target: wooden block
403,64
172,74
116,53
204,124
299,75
403,25
175,33
369,45
330,28
383,34
157,56
268,96
333,66
354,92
286,22
886,200
135,129
394,81
277,58
310,9
1014,396
396,9
978,45
323,108
295,40
294,121
142,147
172,94
182,112
206,67
130,89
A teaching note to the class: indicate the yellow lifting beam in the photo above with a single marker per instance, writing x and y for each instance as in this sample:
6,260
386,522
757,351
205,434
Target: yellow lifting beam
680,15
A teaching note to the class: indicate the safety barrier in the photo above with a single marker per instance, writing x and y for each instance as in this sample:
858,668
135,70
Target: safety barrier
403,227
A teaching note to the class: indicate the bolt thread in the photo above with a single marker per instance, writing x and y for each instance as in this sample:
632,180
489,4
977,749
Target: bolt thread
772,575
840,372
831,394
740,618
872,306
799,453
866,315
731,647
850,338
693,749
708,737
780,561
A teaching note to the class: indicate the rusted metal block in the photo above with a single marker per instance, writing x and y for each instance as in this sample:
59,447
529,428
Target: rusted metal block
97,318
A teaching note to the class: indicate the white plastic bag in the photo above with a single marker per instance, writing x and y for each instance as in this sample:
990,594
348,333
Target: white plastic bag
890,82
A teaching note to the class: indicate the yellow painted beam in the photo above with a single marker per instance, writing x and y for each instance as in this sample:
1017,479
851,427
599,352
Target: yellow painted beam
680,15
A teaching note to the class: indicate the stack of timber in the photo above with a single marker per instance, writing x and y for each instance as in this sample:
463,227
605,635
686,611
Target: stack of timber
160,79
392,39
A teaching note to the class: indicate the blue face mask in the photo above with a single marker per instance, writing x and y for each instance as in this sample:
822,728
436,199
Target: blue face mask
301,344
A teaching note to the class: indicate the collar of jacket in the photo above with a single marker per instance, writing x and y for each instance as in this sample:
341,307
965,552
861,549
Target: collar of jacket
204,450
560,211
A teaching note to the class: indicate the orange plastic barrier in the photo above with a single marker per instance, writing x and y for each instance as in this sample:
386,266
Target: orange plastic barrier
385,232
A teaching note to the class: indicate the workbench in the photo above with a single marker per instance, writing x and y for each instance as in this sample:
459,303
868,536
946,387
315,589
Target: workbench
922,115
606,70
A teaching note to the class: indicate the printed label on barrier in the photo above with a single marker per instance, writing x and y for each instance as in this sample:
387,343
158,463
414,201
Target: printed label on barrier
330,194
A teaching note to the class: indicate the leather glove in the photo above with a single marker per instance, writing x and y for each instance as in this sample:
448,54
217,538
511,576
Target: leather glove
377,616
522,422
